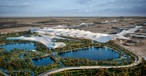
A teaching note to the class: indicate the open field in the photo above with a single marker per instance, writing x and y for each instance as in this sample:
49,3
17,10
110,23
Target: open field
140,50
98,23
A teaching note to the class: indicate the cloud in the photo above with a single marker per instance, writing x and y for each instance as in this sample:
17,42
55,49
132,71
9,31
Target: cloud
16,5
83,11
72,7
85,1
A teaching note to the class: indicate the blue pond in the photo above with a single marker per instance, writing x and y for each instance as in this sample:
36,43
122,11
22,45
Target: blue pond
92,53
42,61
22,46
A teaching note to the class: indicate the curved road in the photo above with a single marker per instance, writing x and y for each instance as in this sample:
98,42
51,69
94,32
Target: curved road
137,61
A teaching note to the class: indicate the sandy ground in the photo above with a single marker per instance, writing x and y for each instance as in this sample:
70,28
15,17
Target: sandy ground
14,29
100,28
52,21
141,50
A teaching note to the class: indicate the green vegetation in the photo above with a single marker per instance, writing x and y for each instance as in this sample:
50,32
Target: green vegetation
87,62
21,74
139,70
12,63
1,74
74,44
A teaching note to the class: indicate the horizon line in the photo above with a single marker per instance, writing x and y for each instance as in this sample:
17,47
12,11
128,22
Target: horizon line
62,16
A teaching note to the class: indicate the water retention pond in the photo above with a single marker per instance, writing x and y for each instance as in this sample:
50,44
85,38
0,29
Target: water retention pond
92,53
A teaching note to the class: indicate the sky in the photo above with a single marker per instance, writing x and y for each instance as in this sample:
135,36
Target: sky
39,8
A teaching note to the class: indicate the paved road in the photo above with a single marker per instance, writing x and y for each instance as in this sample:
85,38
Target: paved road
137,61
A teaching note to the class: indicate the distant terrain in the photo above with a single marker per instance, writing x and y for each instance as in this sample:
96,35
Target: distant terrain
100,24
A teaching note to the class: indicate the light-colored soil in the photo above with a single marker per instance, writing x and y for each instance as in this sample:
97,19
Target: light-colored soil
18,29
52,21
141,50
